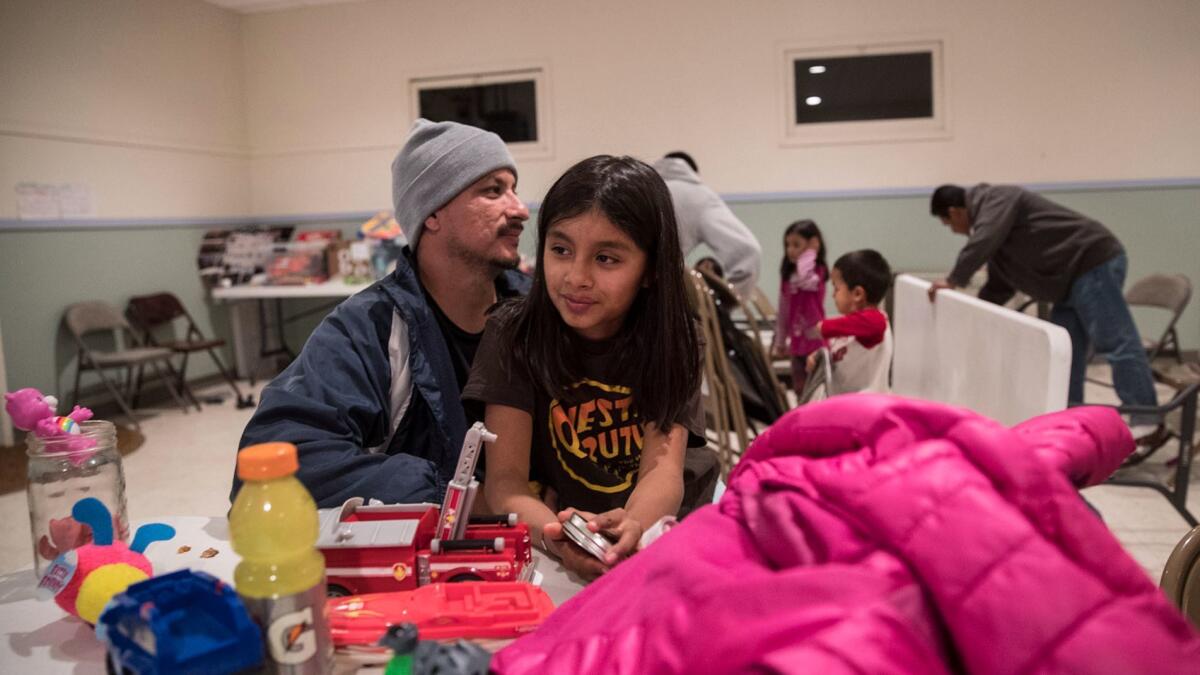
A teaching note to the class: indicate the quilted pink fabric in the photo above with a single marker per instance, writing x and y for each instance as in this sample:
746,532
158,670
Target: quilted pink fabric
873,534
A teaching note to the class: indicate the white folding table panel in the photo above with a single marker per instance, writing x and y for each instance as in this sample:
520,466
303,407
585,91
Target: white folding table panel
967,352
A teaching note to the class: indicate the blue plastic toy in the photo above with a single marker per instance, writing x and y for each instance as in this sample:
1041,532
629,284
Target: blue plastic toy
182,622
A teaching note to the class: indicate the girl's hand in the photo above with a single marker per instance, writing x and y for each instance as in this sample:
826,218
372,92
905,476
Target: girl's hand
618,525
779,352
572,557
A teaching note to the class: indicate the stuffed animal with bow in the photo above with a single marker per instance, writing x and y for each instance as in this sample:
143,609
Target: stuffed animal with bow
83,580
31,411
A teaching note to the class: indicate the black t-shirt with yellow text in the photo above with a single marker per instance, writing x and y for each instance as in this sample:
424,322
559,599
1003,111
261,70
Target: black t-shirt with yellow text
586,447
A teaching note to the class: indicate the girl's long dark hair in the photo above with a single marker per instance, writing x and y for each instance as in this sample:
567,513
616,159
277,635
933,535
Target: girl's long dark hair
808,229
657,350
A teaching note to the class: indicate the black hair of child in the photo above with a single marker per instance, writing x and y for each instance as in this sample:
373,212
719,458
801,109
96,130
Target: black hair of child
679,154
658,347
808,229
944,197
866,268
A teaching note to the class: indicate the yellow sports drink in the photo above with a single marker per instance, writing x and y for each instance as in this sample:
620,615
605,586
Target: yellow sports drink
281,578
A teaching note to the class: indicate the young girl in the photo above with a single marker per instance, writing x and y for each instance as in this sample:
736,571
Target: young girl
802,277
591,383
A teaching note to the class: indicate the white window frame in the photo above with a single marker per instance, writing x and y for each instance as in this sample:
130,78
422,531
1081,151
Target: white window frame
865,131
463,77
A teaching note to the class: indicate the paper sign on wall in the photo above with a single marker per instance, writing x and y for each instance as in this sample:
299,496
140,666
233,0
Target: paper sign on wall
75,201
46,201
37,201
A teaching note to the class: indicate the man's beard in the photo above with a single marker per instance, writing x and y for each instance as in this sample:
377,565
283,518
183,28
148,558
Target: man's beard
495,262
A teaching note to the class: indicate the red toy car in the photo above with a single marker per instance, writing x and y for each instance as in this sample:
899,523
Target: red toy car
392,547
441,612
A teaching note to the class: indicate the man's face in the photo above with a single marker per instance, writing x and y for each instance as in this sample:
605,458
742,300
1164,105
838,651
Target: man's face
483,224
957,219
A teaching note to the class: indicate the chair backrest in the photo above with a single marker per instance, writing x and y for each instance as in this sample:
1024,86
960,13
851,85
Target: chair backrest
762,304
1167,291
93,316
151,311
1181,576
819,385
756,350
724,400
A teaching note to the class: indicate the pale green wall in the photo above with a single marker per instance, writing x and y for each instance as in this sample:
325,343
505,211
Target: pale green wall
42,272
1159,227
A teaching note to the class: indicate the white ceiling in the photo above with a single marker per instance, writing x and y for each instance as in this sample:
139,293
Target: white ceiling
252,6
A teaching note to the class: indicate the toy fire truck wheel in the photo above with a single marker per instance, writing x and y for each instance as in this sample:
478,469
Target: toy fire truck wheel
336,591
466,576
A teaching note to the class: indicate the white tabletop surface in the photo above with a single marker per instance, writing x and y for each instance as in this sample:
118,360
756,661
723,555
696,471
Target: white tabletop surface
38,637
334,288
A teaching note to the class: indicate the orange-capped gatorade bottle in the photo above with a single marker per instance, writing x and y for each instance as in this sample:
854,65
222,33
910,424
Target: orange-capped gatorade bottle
281,578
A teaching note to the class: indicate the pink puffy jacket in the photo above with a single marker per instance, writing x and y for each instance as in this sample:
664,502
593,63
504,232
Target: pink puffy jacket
872,534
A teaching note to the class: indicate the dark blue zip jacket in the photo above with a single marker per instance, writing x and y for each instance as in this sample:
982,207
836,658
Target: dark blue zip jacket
372,403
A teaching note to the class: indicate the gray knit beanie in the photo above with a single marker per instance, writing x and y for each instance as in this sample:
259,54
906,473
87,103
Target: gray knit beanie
440,160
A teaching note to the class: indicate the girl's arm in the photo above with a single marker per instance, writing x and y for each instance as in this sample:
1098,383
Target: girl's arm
659,491
507,484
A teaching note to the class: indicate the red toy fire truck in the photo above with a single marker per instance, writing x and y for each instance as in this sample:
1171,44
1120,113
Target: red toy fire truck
375,548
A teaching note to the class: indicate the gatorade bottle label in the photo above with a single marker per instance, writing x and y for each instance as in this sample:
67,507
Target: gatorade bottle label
294,630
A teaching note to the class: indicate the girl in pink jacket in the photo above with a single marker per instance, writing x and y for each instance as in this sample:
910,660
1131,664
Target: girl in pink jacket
802,278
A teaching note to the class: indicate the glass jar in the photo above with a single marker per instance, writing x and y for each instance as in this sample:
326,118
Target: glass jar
60,474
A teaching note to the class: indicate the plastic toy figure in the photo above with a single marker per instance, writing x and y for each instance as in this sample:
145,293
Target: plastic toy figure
83,580
33,412
182,622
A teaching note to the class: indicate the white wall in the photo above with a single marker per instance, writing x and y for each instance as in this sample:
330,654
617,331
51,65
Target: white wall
1075,90
142,100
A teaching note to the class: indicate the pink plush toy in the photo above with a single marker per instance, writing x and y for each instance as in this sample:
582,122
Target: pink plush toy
30,411
83,580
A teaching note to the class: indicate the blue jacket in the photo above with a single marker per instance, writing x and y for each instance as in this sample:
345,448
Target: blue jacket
371,402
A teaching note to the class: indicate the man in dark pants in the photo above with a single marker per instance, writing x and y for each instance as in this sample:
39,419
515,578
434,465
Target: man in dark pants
1052,254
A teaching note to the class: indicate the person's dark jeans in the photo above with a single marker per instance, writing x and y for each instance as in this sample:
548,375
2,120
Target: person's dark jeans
1094,313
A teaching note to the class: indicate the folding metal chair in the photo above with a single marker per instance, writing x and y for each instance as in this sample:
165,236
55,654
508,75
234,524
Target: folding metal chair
84,319
1181,576
1170,292
723,400
153,313
819,385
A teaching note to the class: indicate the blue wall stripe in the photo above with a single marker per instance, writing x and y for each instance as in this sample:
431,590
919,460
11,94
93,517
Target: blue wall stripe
14,225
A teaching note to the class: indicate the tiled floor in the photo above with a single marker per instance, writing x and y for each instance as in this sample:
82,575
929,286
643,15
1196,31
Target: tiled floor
185,466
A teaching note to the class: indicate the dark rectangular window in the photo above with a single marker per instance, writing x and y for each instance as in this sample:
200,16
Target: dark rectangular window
859,88
509,108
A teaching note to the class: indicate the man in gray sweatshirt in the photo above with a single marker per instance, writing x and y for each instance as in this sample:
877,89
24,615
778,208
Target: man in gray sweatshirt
705,219
1052,254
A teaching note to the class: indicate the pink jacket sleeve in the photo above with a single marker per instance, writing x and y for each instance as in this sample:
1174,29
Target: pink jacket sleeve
805,278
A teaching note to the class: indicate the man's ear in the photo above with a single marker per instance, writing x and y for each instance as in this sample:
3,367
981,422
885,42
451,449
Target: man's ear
432,224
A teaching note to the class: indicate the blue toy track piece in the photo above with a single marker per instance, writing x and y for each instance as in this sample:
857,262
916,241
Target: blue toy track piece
182,622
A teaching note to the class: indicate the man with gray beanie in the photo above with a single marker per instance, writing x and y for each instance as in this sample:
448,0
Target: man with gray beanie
372,402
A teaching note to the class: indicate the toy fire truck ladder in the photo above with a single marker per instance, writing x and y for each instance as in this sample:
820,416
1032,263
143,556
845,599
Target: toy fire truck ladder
460,494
